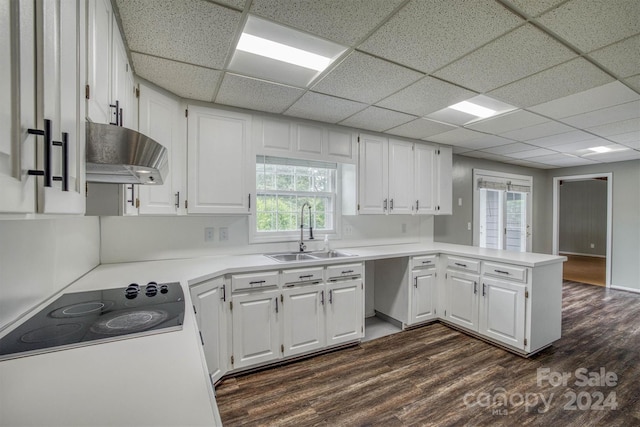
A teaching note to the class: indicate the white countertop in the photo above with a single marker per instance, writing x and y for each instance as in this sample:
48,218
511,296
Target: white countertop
159,379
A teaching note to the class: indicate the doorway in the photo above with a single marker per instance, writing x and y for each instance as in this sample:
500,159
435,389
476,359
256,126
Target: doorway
582,226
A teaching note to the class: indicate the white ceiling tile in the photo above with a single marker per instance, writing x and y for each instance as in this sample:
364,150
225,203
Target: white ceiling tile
534,7
634,82
537,152
562,159
617,113
428,34
518,54
537,131
529,164
344,22
363,78
630,139
192,31
510,148
460,150
622,58
451,116
260,95
420,128
456,137
507,122
581,147
597,98
377,119
426,96
186,81
486,141
591,24
617,128
485,155
238,4
562,138
565,79
324,108
614,156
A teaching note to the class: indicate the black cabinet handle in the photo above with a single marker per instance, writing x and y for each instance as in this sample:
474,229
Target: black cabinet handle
330,296
46,171
426,262
322,297
347,271
276,304
417,205
384,205
484,289
501,272
117,113
475,287
177,200
257,282
64,144
391,205
133,197
459,264
307,276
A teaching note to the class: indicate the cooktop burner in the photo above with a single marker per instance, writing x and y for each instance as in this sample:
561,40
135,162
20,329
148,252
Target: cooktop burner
84,318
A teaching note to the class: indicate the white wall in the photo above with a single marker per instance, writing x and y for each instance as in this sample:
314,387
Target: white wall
125,239
39,257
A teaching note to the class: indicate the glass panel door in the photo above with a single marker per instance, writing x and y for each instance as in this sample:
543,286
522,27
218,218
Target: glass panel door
503,220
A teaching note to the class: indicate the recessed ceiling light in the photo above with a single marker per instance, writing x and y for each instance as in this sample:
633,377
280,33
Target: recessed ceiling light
473,109
600,149
281,52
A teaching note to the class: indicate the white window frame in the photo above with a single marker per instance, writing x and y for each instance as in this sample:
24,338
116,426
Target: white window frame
294,235
505,178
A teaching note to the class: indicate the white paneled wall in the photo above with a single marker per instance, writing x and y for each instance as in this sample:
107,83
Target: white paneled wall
151,238
40,257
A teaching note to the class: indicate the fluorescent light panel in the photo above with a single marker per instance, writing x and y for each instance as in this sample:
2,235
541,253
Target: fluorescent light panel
600,149
473,109
281,52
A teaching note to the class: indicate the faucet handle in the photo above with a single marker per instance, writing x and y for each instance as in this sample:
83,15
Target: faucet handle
303,247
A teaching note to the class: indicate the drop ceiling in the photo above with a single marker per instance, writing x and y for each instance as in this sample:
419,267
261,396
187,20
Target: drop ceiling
570,67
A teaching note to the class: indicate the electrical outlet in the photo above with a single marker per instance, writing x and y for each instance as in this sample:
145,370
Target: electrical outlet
348,230
224,234
208,234
593,245
459,201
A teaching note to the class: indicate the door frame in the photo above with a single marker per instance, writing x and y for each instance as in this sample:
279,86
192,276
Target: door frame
556,214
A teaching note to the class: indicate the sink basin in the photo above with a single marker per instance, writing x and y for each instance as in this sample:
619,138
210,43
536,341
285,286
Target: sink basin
292,256
330,254
307,256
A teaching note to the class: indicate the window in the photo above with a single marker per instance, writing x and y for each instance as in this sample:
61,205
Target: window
284,185
502,211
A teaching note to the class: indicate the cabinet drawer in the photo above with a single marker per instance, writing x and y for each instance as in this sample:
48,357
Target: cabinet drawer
253,280
301,275
344,270
464,264
512,272
424,261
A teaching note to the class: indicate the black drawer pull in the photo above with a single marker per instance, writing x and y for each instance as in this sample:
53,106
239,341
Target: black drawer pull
426,262
459,264
257,282
306,276
501,272
347,272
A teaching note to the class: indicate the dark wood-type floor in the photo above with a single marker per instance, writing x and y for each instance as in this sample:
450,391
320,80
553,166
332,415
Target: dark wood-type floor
585,269
421,377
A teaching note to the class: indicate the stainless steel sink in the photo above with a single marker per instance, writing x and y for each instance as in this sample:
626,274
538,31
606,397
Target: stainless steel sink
292,256
307,256
330,254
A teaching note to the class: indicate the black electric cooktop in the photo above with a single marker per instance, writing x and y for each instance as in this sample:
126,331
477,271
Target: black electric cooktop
93,317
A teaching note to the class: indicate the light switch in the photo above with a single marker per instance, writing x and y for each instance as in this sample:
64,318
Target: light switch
459,201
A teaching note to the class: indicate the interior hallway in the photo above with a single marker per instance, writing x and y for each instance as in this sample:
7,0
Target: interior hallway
585,269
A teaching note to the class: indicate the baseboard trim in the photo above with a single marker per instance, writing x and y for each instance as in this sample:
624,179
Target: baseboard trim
580,254
623,288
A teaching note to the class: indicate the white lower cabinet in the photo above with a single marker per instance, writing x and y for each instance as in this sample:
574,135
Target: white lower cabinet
304,319
502,311
423,296
255,325
344,311
462,299
209,306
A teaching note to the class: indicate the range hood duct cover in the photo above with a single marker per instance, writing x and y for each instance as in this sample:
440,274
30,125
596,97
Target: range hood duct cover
123,156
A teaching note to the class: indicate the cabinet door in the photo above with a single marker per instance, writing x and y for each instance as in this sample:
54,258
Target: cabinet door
159,119
425,178
309,139
373,175
58,65
208,300
423,297
17,107
122,86
340,145
304,324
256,328
400,177
99,28
445,181
344,311
502,311
217,161
462,299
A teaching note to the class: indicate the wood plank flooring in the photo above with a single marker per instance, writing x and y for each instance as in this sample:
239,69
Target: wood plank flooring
585,269
423,376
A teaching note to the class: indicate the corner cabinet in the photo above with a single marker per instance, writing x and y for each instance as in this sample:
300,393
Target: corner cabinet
218,161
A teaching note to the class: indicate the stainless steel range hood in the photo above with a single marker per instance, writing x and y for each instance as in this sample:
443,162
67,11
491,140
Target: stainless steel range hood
123,156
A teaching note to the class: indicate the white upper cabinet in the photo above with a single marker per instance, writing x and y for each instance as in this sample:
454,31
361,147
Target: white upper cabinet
110,88
160,118
401,180
287,138
373,172
218,161
17,107
444,174
425,183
